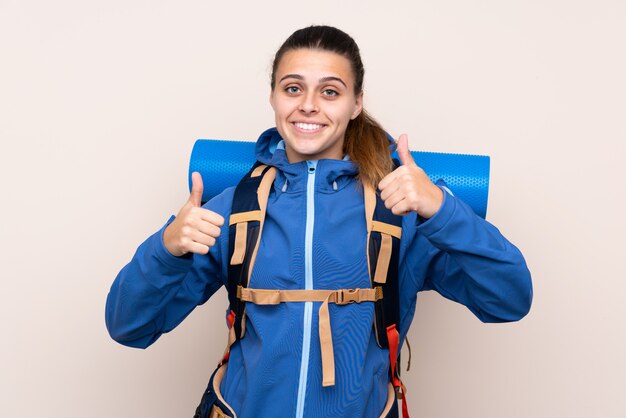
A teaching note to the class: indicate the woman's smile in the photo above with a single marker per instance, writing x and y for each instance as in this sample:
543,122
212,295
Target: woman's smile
308,128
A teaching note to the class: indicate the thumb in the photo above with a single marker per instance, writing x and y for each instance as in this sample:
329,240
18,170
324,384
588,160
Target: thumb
403,150
197,188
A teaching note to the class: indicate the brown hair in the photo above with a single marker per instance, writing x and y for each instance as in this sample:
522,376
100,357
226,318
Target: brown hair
365,142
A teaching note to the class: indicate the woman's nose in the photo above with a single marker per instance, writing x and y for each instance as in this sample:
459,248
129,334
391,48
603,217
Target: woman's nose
308,104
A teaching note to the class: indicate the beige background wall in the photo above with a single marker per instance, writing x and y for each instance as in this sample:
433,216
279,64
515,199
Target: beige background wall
100,103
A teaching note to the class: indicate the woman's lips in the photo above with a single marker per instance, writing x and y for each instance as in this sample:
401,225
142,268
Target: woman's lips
308,127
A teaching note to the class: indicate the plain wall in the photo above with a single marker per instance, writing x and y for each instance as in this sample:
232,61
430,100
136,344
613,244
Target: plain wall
100,103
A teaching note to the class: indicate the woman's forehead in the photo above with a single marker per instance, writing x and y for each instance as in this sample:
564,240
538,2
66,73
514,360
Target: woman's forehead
316,64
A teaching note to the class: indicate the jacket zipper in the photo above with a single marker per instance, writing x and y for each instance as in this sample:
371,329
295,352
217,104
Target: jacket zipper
308,284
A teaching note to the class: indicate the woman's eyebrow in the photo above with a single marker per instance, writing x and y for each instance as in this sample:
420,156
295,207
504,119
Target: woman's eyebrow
321,80
331,78
296,76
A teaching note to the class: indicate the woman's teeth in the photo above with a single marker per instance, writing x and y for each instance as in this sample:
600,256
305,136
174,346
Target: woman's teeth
308,126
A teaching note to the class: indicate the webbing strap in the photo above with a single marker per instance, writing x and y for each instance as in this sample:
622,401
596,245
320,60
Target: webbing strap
218,377
216,412
253,215
394,341
258,170
386,232
408,363
241,236
338,297
385,228
232,337
263,194
393,336
241,232
384,257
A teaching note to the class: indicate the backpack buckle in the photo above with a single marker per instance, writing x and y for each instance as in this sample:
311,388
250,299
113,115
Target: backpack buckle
347,296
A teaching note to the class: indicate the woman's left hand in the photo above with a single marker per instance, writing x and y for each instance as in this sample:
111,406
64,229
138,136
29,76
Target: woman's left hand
408,188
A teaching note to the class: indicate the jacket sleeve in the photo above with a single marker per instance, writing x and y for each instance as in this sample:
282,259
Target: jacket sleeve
468,261
155,291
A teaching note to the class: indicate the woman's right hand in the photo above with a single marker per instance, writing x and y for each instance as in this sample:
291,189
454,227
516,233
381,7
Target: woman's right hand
195,229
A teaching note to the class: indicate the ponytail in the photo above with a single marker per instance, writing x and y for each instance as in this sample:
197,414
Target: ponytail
367,145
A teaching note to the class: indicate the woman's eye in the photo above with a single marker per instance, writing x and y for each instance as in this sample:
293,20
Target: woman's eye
330,93
292,89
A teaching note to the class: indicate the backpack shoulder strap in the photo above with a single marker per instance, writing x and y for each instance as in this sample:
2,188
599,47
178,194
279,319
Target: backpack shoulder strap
245,228
384,231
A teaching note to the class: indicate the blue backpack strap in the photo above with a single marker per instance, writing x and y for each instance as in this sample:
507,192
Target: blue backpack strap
245,226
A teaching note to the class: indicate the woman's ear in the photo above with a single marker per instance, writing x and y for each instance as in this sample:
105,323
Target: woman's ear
358,106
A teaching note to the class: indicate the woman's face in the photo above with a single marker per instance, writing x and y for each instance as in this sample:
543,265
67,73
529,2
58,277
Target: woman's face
313,101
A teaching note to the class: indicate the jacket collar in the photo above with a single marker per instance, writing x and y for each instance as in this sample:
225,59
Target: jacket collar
331,175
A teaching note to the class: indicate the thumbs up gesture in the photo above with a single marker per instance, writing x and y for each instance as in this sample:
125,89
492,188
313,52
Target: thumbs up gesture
195,229
408,188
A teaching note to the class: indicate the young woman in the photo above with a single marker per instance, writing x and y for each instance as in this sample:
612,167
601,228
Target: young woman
326,152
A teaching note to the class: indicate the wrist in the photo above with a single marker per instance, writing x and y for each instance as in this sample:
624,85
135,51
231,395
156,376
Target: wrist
433,205
168,242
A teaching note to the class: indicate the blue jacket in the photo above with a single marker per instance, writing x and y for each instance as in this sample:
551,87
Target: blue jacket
315,238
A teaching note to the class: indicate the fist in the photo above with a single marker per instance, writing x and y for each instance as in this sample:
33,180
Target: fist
195,229
408,188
